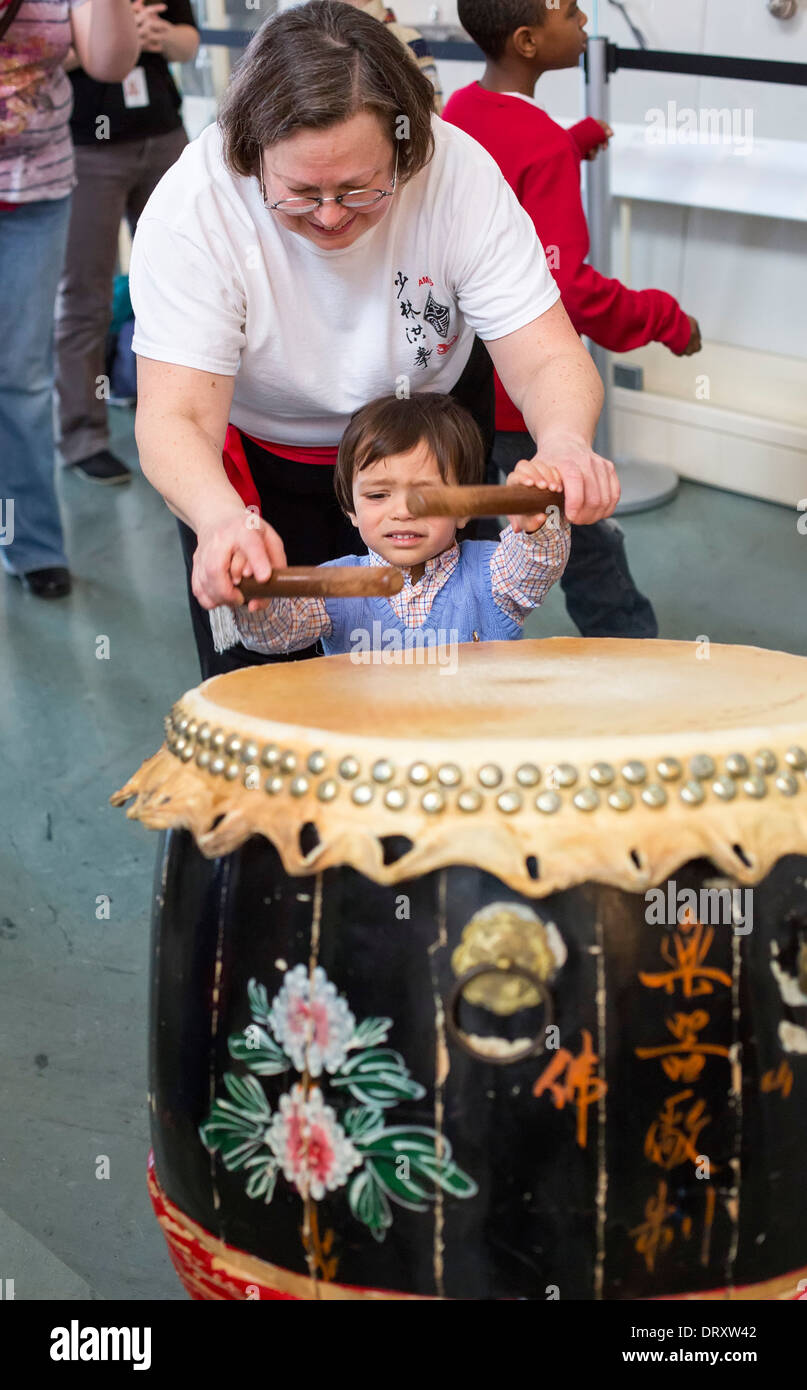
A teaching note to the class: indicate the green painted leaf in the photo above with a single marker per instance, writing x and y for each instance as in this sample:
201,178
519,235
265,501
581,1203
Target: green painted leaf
263,1177
225,1119
236,1131
369,1204
236,1127
406,1192
362,1121
378,1077
258,1001
248,1096
371,1032
234,1145
236,1154
259,1051
413,1140
373,1058
385,1091
448,1176
419,1145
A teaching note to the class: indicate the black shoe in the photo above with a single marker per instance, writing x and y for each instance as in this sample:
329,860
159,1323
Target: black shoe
103,467
48,583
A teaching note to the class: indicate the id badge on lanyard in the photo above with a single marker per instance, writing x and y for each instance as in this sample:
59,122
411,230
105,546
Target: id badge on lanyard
135,88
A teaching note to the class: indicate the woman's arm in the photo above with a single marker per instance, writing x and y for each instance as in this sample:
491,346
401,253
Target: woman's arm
181,44
181,423
550,377
105,38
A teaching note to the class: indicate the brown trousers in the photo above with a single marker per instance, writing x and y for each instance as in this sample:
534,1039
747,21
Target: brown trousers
114,181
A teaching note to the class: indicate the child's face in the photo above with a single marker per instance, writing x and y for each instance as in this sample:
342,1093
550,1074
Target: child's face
384,521
561,39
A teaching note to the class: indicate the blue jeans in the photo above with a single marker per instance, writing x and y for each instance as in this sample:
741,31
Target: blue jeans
32,244
601,597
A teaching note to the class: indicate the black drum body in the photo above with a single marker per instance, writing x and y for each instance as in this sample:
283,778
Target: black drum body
444,1089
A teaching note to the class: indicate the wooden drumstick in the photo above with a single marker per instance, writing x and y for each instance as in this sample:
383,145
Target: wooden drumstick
316,581
481,501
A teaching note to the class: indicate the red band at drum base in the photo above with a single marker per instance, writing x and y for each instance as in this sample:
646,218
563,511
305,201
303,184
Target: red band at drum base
209,1269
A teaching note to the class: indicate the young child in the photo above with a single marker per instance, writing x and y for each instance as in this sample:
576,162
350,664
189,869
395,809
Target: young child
521,40
461,592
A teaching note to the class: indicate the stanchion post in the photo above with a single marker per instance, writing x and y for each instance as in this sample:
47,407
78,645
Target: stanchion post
643,485
598,209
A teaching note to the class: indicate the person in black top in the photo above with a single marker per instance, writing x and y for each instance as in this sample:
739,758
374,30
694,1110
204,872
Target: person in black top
127,135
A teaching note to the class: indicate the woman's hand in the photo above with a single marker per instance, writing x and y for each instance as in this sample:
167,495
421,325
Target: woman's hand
550,377
152,31
230,548
178,43
533,473
590,484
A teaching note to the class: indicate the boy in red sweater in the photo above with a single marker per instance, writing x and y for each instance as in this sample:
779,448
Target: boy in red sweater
522,39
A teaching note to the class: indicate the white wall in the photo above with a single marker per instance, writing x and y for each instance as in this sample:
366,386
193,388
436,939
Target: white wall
744,277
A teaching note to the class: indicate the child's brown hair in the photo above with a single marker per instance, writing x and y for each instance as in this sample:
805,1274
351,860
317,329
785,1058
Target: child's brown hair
389,426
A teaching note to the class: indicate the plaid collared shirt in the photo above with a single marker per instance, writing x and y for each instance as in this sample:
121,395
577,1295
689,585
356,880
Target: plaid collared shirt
522,571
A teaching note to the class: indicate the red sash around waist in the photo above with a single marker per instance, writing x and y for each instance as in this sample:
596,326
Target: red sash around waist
237,468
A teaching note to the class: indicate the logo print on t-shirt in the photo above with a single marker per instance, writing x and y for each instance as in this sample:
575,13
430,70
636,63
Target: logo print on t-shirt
438,315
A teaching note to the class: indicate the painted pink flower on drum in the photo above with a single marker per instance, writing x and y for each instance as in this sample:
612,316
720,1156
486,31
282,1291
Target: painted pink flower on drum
312,1023
407,1164
310,1144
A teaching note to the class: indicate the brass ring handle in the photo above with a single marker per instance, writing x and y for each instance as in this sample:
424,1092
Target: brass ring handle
462,1039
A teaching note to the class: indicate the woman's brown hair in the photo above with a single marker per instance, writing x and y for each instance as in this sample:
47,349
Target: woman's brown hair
389,426
315,66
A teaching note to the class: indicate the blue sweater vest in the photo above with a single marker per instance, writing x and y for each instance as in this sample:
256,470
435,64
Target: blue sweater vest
463,611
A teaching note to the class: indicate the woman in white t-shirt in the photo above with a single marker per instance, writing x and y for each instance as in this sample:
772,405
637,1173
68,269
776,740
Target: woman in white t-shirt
270,303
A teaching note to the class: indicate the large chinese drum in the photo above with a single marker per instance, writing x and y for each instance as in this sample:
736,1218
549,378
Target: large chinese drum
484,977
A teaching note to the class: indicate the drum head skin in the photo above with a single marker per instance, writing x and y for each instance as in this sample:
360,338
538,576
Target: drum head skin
548,763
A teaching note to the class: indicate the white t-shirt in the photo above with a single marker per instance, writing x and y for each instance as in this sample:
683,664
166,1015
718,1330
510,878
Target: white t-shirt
311,334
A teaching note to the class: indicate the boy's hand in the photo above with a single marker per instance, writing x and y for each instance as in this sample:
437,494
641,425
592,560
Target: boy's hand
695,344
533,473
607,134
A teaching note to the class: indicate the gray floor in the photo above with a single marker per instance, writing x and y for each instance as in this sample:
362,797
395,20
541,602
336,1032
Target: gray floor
73,988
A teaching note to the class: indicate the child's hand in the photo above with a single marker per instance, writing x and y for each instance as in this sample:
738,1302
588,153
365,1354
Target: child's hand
533,473
695,343
607,134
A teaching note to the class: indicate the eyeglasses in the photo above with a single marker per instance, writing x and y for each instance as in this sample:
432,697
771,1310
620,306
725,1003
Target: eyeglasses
356,198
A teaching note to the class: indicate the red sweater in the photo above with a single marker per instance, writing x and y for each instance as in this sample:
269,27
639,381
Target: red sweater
541,162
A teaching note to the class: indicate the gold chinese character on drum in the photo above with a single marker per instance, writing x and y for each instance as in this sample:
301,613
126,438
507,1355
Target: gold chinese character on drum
467,986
